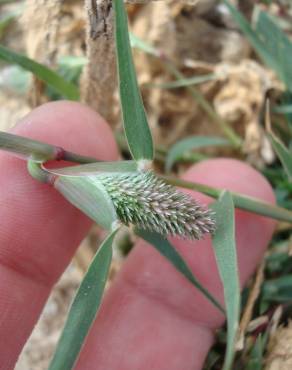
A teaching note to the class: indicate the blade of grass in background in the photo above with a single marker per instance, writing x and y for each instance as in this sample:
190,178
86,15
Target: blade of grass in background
8,18
269,41
84,308
134,117
165,248
284,109
277,45
196,80
283,154
226,257
240,201
3,2
193,142
255,361
65,88
278,289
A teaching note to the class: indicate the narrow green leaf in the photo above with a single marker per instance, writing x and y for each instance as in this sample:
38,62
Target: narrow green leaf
164,247
84,308
45,74
27,148
226,257
182,82
8,18
284,109
96,168
255,361
277,45
283,153
134,117
269,41
193,142
89,195
251,35
136,42
278,289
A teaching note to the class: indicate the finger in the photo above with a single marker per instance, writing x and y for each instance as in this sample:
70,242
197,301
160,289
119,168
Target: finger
152,317
39,230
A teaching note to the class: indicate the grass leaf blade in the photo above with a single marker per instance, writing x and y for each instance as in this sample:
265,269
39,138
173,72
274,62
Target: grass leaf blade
283,154
135,121
189,143
164,247
277,45
84,308
65,88
226,257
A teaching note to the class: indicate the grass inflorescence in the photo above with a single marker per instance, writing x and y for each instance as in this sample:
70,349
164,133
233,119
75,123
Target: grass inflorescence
149,203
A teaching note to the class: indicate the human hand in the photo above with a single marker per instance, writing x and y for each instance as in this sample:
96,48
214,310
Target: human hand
151,317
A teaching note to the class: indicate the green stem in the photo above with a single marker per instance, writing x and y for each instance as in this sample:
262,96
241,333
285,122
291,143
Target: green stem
39,151
40,174
240,201
77,158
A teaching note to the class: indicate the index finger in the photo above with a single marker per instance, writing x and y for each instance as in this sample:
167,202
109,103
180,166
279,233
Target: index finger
39,230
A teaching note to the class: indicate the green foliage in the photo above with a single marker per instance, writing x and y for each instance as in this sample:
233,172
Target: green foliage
269,41
65,88
70,68
277,46
255,361
226,257
84,308
193,142
6,19
183,82
283,153
134,117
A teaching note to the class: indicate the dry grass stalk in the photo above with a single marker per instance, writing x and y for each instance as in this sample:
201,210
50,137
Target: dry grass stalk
98,83
247,314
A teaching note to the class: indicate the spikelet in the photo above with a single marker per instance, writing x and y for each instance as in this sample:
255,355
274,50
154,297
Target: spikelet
147,202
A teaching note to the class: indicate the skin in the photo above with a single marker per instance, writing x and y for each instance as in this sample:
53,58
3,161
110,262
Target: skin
151,317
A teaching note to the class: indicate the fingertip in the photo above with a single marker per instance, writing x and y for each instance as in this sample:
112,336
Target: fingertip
240,177
71,125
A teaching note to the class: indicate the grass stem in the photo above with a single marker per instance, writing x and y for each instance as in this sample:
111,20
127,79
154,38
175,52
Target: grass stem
240,201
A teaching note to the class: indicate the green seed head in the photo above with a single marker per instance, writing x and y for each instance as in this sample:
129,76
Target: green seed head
147,202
